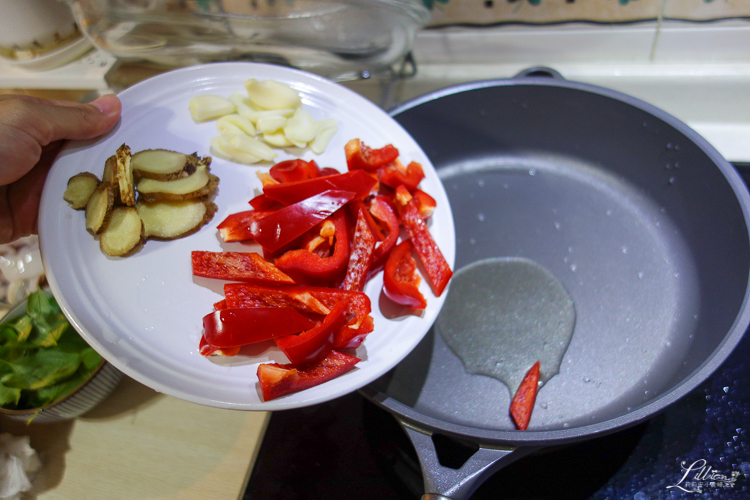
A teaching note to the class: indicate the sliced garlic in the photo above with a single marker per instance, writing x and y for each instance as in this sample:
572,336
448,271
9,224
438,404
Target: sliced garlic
326,129
256,116
300,128
209,107
271,123
277,140
217,149
270,94
236,124
236,144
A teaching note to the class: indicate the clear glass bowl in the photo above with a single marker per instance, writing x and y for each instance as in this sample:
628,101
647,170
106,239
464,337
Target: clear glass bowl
338,39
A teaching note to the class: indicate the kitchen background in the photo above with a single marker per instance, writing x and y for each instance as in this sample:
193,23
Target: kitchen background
688,57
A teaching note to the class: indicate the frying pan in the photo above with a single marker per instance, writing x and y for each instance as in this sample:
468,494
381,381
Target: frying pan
639,222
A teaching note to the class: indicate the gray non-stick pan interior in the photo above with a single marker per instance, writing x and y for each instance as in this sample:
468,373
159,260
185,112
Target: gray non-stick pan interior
639,219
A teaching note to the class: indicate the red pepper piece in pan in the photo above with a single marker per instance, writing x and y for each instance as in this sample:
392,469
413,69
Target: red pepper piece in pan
315,343
287,193
207,349
523,402
237,327
236,266
294,170
382,210
307,267
360,257
400,278
362,157
395,174
437,268
277,380
309,299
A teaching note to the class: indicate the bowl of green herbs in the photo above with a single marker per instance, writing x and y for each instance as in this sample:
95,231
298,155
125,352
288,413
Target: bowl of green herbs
47,371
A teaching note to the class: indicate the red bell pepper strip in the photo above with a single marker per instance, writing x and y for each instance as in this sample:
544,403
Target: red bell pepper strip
523,401
237,327
207,349
357,208
361,157
395,173
291,192
437,268
328,171
360,257
309,299
236,226
277,228
400,278
315,343
308,267
382,209
236,266
294,170
263,202
277,380
425,202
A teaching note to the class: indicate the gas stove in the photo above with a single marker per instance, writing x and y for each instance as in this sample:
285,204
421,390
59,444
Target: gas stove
696,448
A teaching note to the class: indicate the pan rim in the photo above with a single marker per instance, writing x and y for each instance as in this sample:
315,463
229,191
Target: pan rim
647,410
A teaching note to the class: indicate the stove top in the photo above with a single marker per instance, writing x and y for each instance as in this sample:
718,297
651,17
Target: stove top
349,448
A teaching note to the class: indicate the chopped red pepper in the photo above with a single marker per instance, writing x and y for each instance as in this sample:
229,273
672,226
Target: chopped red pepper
295,170
207,349
305,266
523,402
277,380
437,268
277,228
315,343
395,174
361,157
237,327
291,192
382,209
400,278
360,257
236,226
237,266
425,202
328,171
263,202
309,299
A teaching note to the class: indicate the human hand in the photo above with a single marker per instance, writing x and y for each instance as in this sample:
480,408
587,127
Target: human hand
32,131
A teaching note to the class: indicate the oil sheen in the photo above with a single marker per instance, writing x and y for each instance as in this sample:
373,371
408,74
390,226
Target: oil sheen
502,315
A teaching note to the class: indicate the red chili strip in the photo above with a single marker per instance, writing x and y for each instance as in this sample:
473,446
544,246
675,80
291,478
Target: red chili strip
437,268
236,266
287,193
360,256
315,343
277,380
523,402
237,327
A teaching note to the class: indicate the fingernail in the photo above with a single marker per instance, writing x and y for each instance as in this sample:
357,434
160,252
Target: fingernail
107,104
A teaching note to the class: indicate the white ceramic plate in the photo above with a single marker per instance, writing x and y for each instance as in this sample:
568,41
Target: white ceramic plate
144,312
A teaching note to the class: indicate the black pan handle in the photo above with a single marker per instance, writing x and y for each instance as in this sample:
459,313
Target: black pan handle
445,483
540,72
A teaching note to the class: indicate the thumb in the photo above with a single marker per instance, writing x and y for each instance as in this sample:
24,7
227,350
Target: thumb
68,120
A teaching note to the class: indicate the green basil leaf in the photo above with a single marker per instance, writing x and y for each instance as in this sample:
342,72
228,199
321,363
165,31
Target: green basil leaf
9,396
42,368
